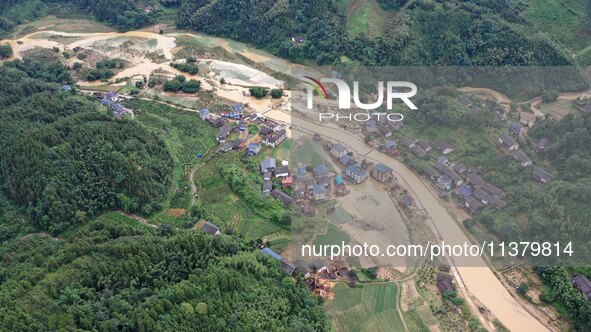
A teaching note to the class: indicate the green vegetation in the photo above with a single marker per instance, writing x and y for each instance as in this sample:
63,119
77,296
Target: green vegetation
189,67
115,273
564,294
371,308
5,51
62,162
229,194
103,69
258,92
276,93
180,83
567,20
475,33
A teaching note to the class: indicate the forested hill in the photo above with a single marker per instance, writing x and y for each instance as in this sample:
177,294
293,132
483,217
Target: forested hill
62,162
420,32
465,32
115,274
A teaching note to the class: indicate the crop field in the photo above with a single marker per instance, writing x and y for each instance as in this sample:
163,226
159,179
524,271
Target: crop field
226,208
371,308
186,136
333,236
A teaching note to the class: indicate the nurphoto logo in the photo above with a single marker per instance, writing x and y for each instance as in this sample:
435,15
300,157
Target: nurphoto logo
344,93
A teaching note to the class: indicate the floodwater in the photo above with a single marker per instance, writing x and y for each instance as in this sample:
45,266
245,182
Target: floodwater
478,278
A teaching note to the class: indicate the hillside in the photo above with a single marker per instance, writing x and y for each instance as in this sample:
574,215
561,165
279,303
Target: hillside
115,274
482,32
63,162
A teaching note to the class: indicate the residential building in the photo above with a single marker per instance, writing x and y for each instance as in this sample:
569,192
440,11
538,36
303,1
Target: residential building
508,142
356,173
287,182
541,176
444,147
424,144
297,39
515,128
444,182
473,205
464,192
319,192
407,143
237,111
253,149
483,196
112,96
276,138
583,285
391,147
381,173
442,160
282,171
227,147
543,144
418,151
267,176
320,171
223,133
494,191
268,164
209,228
267,186
347,160
475,180
338,150
455,178
204,114
523,159
431,172
280,195
371,126
459,168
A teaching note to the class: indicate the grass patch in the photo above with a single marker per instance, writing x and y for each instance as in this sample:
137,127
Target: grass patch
566,20
371,308
333,236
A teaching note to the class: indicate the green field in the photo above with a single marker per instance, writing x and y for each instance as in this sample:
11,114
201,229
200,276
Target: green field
566,20
333,236
309,153
186,136
371,308
248,215
366,17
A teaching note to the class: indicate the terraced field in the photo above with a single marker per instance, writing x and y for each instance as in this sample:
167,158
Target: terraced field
371,308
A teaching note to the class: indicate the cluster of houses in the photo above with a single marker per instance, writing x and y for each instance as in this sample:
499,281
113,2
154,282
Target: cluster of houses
270,170
509,144
271,133
356,172
382,126
472,189
111,100
316,273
